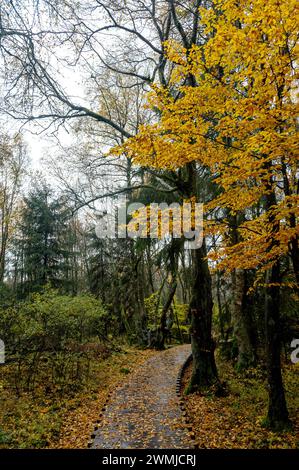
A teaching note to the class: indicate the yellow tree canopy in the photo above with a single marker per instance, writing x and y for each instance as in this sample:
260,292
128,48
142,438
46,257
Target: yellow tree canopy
238,117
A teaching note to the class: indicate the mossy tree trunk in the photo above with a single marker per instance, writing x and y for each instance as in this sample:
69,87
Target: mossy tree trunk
204,371
241,323
277,417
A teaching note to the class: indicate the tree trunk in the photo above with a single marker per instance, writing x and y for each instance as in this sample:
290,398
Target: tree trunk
204,372
219,305
158,342
246,354
3,251
294,249
277,417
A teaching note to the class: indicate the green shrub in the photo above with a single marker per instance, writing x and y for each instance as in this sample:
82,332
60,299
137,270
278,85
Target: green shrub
53,337
4,437
179,319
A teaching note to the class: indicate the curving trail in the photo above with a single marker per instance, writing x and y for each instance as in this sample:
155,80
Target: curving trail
144,412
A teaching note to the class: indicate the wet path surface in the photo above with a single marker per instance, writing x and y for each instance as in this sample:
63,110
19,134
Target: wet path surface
144,412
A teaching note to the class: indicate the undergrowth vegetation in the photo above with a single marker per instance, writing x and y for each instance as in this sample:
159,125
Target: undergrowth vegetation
51,340
237,420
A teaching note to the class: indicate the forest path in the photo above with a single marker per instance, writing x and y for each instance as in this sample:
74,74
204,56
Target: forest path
144,412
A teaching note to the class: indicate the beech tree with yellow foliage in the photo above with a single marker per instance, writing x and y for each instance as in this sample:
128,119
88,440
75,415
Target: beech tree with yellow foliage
234,111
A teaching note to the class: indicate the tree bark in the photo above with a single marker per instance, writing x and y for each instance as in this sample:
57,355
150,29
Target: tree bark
158,341
246,354
277,417
204,371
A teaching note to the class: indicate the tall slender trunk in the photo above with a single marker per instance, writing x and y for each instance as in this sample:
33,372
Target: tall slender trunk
277,417
239,315
246,354
204,371
294,243
175,246
219,305
3,251
159,340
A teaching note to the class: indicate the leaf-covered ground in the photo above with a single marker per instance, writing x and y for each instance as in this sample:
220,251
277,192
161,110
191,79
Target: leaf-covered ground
235,421
143,409
63,421
144,413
